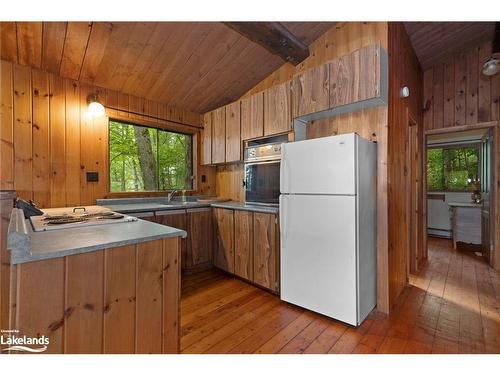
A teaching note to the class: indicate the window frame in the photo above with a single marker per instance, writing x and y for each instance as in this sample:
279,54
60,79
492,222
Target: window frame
475,144
163,125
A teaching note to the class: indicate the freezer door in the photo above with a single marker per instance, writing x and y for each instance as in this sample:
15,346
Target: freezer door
318,254
319,166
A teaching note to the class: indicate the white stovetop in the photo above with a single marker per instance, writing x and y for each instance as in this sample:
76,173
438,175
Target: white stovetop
39,224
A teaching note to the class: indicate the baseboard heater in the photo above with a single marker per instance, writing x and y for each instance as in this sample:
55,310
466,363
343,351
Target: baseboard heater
437,232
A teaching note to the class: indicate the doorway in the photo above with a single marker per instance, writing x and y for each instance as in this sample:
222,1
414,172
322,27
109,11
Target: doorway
458,190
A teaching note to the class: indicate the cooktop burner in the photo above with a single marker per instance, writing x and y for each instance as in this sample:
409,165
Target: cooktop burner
59,220
74,217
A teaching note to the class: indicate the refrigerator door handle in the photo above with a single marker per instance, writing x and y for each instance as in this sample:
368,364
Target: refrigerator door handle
283,219
283,165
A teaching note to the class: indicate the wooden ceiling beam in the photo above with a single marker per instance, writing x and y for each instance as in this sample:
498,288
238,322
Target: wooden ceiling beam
275,38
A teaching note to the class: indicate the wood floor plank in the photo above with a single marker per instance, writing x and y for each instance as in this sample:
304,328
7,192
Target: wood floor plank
451,306
265,302
278,341
194,336
326,339
300,342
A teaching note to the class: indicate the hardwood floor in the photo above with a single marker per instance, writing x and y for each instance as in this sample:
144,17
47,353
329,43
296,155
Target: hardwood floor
451,306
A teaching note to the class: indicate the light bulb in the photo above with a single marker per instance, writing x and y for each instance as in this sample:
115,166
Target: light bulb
96,109
491,67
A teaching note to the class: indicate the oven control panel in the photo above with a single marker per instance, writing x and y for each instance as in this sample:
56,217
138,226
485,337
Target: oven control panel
270,151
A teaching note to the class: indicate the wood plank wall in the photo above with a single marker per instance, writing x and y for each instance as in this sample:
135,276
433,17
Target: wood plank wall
404,70
342,39
457,94
48,143
120,300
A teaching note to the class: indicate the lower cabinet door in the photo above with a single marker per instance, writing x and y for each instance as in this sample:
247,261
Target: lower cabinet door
224,239
243,244
176,219
200,237
266,251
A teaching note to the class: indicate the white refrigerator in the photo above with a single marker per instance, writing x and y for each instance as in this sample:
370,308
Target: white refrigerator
328,226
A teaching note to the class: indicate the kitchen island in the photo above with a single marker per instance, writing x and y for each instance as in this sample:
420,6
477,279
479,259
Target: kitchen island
96,289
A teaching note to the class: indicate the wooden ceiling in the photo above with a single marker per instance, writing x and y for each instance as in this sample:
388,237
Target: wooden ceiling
193,65
432,41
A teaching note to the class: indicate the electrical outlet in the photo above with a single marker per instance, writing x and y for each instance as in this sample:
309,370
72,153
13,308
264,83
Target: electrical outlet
92,177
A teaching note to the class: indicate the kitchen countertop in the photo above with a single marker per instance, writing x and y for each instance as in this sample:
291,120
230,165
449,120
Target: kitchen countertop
136,205
28,246
465,204
247,207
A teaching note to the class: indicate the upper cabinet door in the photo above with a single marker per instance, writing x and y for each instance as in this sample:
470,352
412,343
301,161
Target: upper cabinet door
252,116
310,91
233,139
219,135
355,77
206,139
277,113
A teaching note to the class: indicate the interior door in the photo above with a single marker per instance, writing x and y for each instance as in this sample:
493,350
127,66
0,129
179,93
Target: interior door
318,254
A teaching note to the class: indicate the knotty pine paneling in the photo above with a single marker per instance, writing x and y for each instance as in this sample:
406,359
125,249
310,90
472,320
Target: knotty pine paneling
192,65
41,135
404,143
56,144
458,93
6,127
118,300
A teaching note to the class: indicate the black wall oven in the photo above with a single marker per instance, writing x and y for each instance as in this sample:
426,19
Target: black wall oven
262,173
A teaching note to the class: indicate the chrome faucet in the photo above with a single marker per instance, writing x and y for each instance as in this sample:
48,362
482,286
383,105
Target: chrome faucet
171,195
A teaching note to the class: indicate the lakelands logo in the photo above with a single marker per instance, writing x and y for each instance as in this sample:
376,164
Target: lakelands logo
23,343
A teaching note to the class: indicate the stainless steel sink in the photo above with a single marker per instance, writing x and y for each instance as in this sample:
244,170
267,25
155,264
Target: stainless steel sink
180,203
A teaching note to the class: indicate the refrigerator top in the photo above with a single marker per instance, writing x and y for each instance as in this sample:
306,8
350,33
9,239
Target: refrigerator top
320,166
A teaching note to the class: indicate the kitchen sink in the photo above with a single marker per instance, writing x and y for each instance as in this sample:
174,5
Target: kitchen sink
180,203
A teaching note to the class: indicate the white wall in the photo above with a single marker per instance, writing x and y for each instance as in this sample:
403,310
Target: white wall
438,213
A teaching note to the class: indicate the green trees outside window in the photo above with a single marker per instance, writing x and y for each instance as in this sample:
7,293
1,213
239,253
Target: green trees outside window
148,159
450,168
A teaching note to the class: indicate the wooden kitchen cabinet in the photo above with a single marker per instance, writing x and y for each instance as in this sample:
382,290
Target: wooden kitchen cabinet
233,140
199,249
310,91
224,239
219,135
266,250
176,219
277,112
355,77
243,244
252,116
206,140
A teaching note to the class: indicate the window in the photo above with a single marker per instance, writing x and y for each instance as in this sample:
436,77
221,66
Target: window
147,159
449,168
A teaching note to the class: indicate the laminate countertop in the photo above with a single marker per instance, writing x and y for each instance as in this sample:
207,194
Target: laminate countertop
465,204
138,205
26,245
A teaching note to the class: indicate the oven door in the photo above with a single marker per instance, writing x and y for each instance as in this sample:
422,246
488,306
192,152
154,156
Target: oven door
262,182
